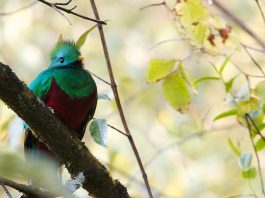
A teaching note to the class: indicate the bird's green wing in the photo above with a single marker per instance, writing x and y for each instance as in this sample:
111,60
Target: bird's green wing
41,85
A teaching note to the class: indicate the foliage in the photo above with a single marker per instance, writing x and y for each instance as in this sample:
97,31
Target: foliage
203,72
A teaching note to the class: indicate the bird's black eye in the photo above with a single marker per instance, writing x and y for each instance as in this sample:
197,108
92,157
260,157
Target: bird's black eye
61,59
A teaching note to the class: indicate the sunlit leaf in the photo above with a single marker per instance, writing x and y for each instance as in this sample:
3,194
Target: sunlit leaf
80,42
225,114
205,79
250,107
188,78
229,84
99,130
200,32
176,92
233,147
260,144
244,161
60,38
159,68
191,11
250,173
260,90
225,63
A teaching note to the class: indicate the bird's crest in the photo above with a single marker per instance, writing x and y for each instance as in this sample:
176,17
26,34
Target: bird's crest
67,51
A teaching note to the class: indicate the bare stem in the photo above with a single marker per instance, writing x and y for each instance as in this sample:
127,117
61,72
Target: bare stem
256,153
70,11
261,11
6,190
30,191
153,5
254,61
117,99
239,23
19,9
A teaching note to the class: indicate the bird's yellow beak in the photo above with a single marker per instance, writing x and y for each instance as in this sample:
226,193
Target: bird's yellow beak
80,58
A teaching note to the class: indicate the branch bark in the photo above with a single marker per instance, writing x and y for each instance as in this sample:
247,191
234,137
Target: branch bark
49,129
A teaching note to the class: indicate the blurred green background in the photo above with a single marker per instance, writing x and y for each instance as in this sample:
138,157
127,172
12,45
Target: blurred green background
185,155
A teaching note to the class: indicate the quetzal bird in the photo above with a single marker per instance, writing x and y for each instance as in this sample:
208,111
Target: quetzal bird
68,89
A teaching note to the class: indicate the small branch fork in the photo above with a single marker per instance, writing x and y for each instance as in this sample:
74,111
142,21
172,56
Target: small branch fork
58,6
249,123
117,99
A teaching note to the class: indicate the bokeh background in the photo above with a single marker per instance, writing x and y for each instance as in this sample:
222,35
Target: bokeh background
185,155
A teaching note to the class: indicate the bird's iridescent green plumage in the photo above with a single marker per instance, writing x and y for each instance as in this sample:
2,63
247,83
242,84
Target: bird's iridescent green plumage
69,79
66,87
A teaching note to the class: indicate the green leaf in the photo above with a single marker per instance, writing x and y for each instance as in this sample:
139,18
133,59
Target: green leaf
60,38
206,78
176,92
260,144
225,63
229,84
260,90
244,161
191,11
249,174
226,114
80,42
159,69
185,74
200,32
99,130
233,147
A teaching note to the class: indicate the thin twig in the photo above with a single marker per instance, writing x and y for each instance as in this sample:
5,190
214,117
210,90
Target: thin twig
61,13
243,195
256,153
240,23
256,128
253,48
164,41
199,134
70,11
64,4
261,11
254,61
99,78
28,190
19,9
117,99
136,181
117,129
153,5
6,190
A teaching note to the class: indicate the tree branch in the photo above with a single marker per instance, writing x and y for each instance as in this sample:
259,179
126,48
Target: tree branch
70,11
247,116
49,129
27,190
117,99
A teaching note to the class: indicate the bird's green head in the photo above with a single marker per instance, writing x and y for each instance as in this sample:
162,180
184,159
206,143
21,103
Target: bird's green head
64,53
